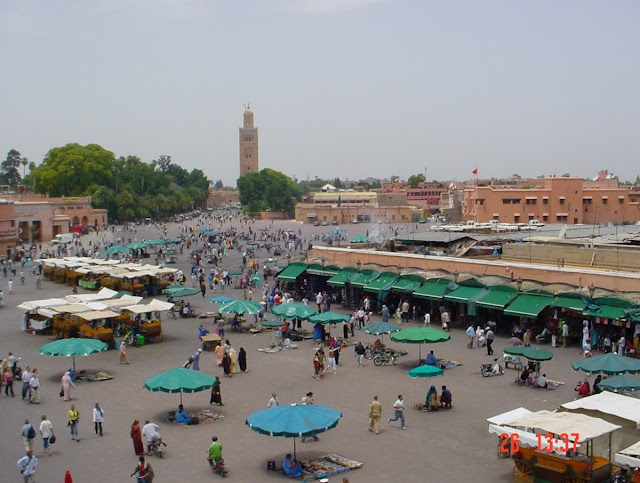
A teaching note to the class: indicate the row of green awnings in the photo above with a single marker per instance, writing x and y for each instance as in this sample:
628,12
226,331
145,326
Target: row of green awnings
467,291
381,285
528,306
610,308
498,297
291,272
330,271
434,289
408,283
365,278
344,276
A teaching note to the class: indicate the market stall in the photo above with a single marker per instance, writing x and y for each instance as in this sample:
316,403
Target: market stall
98,325
630,458
557,447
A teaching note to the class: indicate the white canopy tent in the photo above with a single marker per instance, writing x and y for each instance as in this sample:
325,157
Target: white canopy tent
623,407
629,456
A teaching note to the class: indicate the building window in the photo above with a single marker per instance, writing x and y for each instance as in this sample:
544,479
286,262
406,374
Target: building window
516,219
605,201
515,201
561,200
532,202
586,201
506,201
545,201
561,218
545,218
621,200
480,201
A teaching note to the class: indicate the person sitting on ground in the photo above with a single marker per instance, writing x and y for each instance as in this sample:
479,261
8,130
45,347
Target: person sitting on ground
542,381
545,334
291,467
431,360
433,402
182,417
596,388
446,398
525,375
583,388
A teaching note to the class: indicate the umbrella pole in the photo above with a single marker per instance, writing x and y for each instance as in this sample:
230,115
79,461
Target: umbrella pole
180,396
420,353
74,363
294,448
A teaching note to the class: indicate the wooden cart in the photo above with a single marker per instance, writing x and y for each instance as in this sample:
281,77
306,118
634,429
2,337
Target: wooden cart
551,447
534,466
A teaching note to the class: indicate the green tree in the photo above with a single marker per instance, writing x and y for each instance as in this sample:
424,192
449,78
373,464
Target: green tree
9,173
268,190
415,179
218,184
71,169
164,163
394,179
337,183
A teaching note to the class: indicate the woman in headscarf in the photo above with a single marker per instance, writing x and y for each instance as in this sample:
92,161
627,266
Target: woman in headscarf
67,384
136,436
226,364
432,399
216,395
219,351
242,359
233,355
123,353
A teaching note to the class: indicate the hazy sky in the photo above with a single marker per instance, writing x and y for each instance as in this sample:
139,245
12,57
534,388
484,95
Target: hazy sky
348,88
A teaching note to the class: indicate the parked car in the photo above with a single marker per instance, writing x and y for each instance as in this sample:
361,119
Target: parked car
316,223
334,222
325,223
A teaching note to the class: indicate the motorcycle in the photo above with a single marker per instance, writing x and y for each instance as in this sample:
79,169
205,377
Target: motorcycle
386,357
217,466
493,369
156,448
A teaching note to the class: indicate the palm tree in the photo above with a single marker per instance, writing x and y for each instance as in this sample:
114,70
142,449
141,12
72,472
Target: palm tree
24,163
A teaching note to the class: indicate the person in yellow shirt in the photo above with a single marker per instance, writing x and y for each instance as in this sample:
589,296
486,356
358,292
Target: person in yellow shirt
74,417
375,411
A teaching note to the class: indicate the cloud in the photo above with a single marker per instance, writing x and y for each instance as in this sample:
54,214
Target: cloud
326,6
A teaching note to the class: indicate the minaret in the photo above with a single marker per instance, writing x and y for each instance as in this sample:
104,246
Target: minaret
248,144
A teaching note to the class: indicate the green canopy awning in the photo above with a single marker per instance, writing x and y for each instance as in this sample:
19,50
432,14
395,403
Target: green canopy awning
577,304
343,276
433,290
292,272
381,285
366,277
465,294
311,215
527,306
408,283
607,312
329,271
498,297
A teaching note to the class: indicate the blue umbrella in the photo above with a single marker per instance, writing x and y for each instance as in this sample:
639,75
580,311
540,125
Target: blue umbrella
221,299
294,421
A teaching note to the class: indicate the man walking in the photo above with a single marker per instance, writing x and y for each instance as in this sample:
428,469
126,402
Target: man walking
399,411
489,336
26,377
360,353
471,333
27,466
565,335
375,410
427,320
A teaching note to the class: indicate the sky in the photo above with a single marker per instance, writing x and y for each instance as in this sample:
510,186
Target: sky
339,88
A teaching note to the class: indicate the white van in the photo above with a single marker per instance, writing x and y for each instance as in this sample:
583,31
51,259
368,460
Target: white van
63,238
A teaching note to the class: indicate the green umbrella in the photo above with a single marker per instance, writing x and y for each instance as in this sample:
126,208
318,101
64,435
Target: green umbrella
531,353
116,249
293,310
241,307
136,246
608,363
180,380
271,324
329,318
381,328
73,347
180,292
420,335
156,241
620,383
425,371
121,293
360,239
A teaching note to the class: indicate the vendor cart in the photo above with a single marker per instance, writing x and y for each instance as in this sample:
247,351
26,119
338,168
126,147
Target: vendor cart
557,447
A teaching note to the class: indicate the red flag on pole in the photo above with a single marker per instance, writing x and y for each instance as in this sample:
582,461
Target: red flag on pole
475,171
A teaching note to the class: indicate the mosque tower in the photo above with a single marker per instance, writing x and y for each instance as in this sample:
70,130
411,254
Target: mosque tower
248,144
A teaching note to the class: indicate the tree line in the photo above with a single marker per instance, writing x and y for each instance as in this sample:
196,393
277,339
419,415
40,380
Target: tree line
127,187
